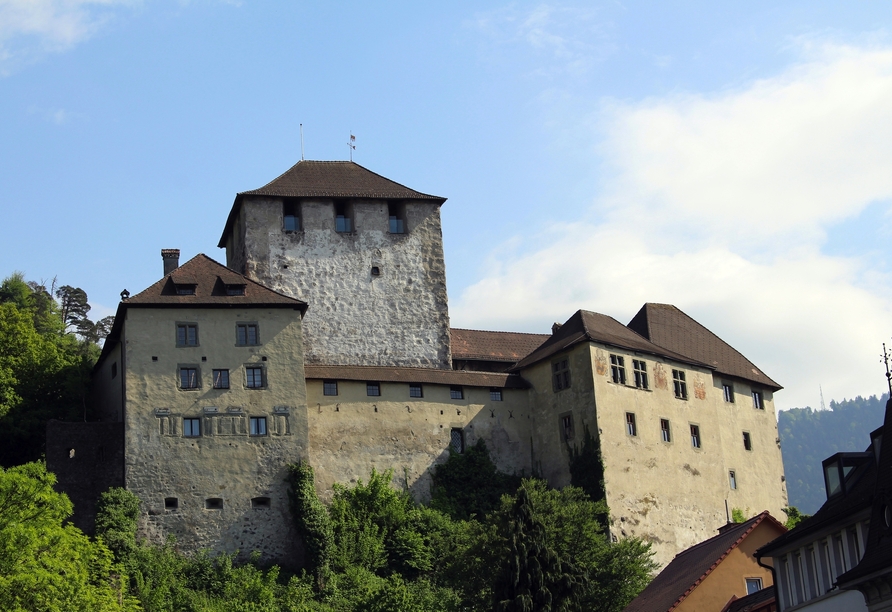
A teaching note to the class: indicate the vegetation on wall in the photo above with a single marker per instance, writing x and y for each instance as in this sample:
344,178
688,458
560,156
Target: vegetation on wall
809,436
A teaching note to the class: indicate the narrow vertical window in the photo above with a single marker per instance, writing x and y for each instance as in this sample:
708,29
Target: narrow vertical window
695,436
758,401
221,379
397,218
681,387
732,479
457,440
728,392
640,368
631,427
343,222
618,369
747,441
665,431
567,426
560,371
291,216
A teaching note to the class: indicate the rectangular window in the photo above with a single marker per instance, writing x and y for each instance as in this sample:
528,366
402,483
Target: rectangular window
456,393
728,392
618,369
330,387
187,334
373,389
695,436
235,290
631,427
397,217
415,390
221,379
185,289
567,426
747,441
114,369
753,585
246,334
681,387
254,378
560,371
732,478
343,222
291,216
258,426
189,378
191,428
495,395
640,369
665,431
758,402
457,440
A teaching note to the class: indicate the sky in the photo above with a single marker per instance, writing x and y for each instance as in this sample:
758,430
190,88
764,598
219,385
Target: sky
732,159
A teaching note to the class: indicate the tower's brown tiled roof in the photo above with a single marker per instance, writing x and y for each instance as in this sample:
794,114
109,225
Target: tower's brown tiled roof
667,326
690,567
416,375
594,327
329,179
493,345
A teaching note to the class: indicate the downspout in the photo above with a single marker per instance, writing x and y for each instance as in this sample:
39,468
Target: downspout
777,596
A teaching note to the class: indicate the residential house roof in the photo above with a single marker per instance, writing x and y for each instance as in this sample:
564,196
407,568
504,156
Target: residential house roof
690,567
509,347
329,179
670,328
416,375
585,326
762,600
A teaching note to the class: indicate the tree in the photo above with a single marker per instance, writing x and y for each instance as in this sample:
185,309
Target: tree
116,515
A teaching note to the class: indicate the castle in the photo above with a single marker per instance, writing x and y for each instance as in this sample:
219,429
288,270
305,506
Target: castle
326,339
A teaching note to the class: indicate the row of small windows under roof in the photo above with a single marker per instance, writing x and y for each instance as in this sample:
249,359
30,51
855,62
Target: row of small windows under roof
666,432
343,218
373,389
190,377
216,503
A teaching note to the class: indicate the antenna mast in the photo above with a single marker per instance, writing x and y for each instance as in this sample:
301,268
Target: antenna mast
352,144
888,374
301,142
823,407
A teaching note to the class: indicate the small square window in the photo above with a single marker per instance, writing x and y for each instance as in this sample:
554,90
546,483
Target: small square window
171,503
191,428
681,387
758,400
187,334
258,426
415,390
373,389
457,440
753,585
618,369
640,369
189,378
665,430
213,503
330,387
246,334
747,441
695,436
560,371
728,392
732,479
456,393
221,379
631,426
254,377
495,395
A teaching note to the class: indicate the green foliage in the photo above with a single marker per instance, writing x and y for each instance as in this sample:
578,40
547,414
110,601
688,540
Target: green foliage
116,514
45,565
587,471
469,485
311,521
810,436
794,517
737,515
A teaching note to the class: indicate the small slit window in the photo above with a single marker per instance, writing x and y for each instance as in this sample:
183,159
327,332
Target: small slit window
665,430
171,503
213,503
695,436
631,426
732,479
758,400
728,392
260,502
747,441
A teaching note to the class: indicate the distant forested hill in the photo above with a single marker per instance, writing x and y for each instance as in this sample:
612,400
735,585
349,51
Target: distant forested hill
810,436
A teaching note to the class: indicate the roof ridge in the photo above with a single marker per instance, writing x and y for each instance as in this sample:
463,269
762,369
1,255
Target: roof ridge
494,331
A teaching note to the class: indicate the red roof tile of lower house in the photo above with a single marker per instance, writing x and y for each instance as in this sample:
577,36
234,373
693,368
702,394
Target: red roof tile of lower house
691,567
416,375
494,345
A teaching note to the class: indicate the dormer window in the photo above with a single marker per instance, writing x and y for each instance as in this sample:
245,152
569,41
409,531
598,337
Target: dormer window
343,220
183,289
397,216
838,469
235,290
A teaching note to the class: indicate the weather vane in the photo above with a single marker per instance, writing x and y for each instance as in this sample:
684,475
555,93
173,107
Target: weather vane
888,374
352,144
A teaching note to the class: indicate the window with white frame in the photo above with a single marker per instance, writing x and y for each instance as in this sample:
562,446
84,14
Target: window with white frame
753,585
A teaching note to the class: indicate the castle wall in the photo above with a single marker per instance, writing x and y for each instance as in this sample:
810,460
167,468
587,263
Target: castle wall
398,317
225,462
352,433
107,387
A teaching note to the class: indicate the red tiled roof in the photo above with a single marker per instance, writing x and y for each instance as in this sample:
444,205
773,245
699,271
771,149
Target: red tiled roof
754,602
416,375
493,345
667,326
594,327
690,567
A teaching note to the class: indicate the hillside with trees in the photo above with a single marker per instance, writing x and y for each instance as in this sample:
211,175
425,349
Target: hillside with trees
809,436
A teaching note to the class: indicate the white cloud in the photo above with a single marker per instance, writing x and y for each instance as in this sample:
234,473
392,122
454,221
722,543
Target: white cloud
720,204
31,28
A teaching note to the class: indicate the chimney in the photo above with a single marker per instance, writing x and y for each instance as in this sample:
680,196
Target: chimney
555,328
171,259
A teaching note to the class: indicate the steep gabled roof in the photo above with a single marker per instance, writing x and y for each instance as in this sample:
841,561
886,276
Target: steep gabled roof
329,179
585,326
667,326
690,567
509,347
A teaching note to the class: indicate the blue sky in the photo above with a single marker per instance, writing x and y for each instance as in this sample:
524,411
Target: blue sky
732,160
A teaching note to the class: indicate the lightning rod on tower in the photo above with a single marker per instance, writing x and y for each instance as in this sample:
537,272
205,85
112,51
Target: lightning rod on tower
352,144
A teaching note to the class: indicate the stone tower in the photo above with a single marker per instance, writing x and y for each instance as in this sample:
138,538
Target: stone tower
364,252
